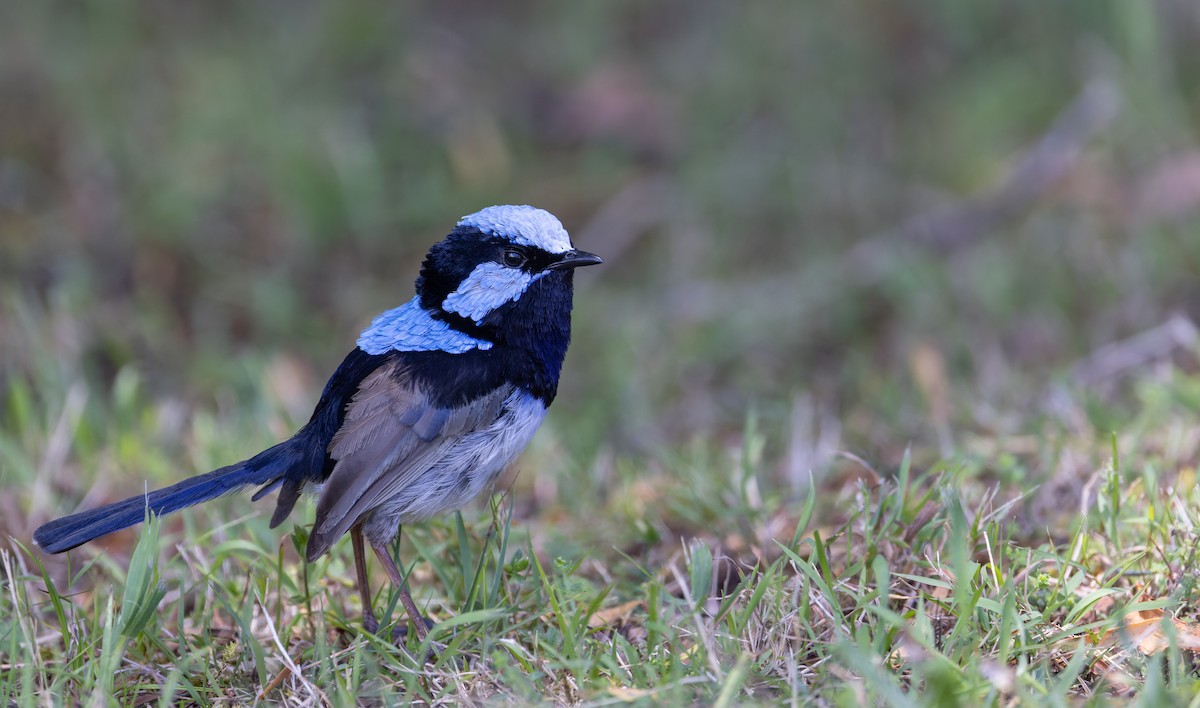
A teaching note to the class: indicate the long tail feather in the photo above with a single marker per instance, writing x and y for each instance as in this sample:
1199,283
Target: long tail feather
70,531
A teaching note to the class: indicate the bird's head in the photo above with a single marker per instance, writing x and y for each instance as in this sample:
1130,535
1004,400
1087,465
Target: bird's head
502,273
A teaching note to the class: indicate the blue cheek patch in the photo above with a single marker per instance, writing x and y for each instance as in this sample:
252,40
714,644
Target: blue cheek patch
489,286
409,328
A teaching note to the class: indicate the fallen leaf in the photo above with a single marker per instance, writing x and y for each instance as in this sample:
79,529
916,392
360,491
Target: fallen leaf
614,616
628,694
1144,628
1102,606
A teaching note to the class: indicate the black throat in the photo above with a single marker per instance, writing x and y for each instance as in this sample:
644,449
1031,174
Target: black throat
529,336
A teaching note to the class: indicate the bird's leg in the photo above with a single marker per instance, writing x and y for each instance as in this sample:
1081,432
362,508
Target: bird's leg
364,588
398,580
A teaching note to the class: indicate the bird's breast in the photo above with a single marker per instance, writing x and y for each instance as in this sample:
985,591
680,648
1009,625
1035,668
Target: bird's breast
467,467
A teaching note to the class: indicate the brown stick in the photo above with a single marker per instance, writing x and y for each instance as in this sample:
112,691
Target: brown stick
275,682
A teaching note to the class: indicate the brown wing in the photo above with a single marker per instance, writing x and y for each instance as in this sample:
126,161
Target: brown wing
391,435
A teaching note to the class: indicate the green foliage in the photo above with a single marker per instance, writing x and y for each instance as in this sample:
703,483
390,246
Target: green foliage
143,590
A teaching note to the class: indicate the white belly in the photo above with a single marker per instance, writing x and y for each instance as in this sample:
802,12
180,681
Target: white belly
469,466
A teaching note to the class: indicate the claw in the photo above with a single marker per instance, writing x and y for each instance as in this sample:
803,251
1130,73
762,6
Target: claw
400,632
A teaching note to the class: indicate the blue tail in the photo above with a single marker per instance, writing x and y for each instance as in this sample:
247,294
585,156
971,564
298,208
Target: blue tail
70,531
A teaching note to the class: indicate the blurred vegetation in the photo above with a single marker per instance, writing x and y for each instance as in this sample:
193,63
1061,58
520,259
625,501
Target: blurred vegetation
867,226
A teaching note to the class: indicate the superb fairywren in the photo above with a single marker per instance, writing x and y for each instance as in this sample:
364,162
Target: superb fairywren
439,396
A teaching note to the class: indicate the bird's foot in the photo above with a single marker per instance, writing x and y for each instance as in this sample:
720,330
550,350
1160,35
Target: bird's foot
433,650
400,631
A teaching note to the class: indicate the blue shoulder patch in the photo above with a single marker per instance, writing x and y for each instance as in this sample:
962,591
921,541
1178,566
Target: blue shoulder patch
409,328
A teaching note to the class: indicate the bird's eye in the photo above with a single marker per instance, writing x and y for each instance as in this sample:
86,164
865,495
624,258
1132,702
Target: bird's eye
513,258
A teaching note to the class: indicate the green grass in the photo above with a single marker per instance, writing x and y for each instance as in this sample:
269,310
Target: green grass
799,454
924,585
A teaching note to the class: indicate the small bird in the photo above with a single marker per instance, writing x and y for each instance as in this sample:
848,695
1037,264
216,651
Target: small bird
439,396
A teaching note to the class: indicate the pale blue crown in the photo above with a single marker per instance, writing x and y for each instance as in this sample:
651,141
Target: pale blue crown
523,225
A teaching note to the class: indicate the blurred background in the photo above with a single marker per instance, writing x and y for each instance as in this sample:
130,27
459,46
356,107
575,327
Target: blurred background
856,226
